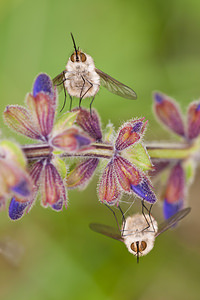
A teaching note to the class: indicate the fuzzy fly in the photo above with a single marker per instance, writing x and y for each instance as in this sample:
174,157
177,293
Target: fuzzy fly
138,238
81,79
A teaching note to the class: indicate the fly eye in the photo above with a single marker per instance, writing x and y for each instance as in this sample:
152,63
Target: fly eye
134,247
83,57
73,57
142,246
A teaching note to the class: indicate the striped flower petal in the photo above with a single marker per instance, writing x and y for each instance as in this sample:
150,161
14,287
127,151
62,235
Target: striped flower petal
19,119
42,110
53,190
193,120
109,190
35,172
168,113
90,123
130,133
81,174
144,191
126,173
71,140
176,185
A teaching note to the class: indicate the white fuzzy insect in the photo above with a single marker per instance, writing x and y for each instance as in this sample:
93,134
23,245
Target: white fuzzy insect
138,233
81,79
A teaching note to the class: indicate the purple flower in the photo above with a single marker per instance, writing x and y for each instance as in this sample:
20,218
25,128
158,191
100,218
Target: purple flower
38,122
169,114
120,174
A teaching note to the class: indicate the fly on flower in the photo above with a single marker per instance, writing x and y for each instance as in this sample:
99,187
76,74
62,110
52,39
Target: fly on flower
81,79
138,238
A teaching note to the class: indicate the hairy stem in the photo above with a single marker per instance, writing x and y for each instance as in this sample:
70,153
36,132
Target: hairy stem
158,151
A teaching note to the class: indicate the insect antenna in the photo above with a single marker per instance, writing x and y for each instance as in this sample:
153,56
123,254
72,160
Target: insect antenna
74,46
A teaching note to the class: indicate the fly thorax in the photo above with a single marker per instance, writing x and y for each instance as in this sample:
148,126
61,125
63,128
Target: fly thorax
139,236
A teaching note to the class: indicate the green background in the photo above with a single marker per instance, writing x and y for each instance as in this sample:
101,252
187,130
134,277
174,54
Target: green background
148,45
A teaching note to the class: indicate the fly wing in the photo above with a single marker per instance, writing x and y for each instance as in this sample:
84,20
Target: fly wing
173,220
116,87
106,230
59,80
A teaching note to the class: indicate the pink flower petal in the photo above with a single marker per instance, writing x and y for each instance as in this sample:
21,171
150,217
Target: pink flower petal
14,179
109,190
194,120
82,173
90,123
35,173
71,140
168,113
176,185
53,190
18,118
42,110
130,133
126,173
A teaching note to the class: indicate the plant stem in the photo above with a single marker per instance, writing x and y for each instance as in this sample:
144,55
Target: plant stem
170,151
158,151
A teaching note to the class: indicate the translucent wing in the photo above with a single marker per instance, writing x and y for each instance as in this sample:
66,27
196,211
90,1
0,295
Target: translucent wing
59,80
115,86
106,230
173,220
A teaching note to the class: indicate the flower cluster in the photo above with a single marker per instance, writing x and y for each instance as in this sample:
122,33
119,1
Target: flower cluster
182,171
76,134
126,160
38,122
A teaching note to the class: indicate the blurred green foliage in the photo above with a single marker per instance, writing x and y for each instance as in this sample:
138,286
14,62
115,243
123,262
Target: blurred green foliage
148,45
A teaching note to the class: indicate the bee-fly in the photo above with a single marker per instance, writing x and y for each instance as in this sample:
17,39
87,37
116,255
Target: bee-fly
81,79
138,238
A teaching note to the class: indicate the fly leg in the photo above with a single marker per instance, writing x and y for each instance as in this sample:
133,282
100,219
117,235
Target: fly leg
91,105
70,106
81,96
62,83
149,213
123,221
64,99
114,215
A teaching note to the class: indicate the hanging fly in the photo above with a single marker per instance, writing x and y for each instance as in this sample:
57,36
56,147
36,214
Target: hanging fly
81,79
138,238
